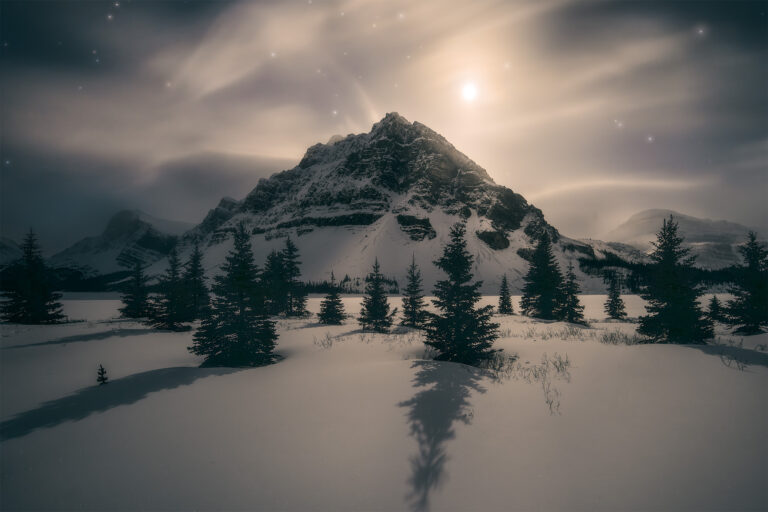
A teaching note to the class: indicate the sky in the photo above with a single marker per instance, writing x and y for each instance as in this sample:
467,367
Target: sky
592,110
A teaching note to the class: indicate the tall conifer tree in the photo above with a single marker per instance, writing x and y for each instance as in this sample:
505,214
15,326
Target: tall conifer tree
543,283
570,308
296,300
236,330
196,296
413,300
29,297
374,313
674,315
749,307
331,308
167,307
461,331
614,304
135,297
505,300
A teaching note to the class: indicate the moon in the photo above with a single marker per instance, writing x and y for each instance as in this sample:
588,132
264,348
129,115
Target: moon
469,92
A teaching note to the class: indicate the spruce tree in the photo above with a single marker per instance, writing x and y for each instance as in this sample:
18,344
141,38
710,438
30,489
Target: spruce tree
135,297
101,376
196,296
461,331
749,307
674,315
413,300
331,308
167,307
715,311
505,300
614,304
29,297
274,283
375,314
543,282
570,308
236,330
296,300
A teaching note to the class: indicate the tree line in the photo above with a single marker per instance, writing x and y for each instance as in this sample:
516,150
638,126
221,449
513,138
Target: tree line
235,313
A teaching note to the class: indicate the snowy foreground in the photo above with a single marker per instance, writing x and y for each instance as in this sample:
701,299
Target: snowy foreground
354,421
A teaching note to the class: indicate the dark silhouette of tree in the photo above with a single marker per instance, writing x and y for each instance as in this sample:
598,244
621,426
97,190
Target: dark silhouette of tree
570,308
614,304
674,315
101,376
196,296
413,300
167,307
235,330
749,307
135,297
275,284
715,310
460,331
29,298
505,299
331,308
543,283
375,314
296,299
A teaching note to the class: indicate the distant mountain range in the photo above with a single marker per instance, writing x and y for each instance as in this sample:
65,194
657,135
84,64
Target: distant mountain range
713,242
391,194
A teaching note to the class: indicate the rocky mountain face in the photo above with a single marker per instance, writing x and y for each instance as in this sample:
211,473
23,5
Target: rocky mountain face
713,242
130,235
389,194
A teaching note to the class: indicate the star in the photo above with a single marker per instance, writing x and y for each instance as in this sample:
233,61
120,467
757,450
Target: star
116,4
618,123
273,54
7,162
110,16
650,139
401,16
335,112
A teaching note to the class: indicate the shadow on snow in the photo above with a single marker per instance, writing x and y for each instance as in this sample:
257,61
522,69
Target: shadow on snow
443,400
78,338
87,401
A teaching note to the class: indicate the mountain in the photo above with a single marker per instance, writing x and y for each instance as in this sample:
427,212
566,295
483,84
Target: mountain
130,235
388,194
9,251
714,242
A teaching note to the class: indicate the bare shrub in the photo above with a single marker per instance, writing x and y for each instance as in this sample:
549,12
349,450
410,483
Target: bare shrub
325,343
617,337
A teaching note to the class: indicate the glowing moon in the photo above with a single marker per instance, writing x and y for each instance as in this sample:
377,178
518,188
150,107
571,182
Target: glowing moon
469,92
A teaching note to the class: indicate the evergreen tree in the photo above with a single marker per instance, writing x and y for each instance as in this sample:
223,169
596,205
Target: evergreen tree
101,376
331,308
715,310
543,283
460,331
505,300
375,314
275,284
29,298
296,300
196,296
614,305
413,300
674,315
749,307
167,307
135,298
570,308
236,330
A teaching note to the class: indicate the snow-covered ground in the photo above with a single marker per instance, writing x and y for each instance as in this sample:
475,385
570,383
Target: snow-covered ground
357,421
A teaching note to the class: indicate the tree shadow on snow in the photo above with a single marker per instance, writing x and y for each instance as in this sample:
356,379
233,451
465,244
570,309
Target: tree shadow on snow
442,401
734,355
87,401
78,338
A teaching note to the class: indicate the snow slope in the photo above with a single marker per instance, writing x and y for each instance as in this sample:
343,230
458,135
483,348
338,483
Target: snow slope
353,421
714,242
